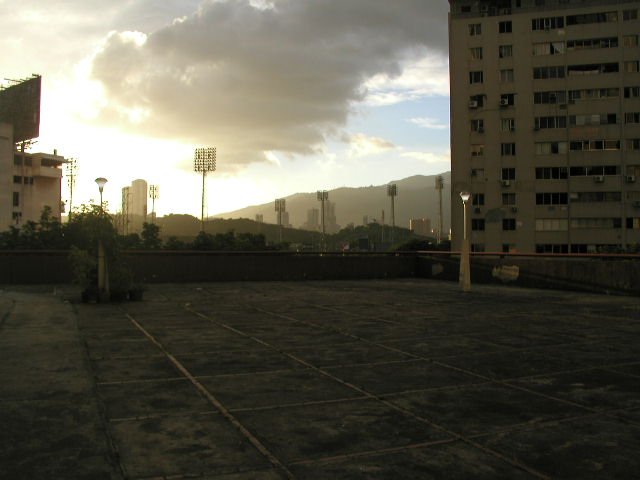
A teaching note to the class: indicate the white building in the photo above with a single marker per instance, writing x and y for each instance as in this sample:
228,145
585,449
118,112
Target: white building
29,182
134,206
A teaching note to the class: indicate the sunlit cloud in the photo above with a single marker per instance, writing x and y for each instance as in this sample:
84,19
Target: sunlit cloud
429,157
361,145
429,123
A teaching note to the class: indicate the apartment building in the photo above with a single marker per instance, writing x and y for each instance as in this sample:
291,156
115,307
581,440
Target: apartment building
134,206
29,182
545,124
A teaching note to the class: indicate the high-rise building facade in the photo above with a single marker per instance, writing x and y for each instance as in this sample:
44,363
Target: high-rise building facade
545,124
134,206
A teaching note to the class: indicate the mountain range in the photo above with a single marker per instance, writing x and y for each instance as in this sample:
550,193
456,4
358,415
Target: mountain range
416,197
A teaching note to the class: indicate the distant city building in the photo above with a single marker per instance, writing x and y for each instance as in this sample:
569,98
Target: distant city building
134,206
285,220
259,218
545,124
365,220
420,226
29,182
313,220
330,224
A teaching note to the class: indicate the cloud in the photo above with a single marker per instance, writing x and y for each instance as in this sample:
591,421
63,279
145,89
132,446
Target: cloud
362,145
257,76
429,157
429,123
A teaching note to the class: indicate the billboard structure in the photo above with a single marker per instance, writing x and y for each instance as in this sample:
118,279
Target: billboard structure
20,107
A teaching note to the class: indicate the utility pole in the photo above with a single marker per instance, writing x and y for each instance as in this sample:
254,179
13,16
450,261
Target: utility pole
72,171
439,187
154,192
281,205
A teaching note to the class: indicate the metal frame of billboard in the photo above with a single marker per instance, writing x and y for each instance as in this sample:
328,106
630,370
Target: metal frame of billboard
20,107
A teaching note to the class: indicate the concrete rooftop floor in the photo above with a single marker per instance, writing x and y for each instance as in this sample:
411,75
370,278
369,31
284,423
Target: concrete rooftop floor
314,380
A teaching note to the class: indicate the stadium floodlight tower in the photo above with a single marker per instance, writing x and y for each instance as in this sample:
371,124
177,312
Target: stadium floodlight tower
323,196
281,207
392,191
154,193
204,160
71,168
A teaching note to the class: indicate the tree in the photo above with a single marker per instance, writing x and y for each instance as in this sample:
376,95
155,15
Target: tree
151,236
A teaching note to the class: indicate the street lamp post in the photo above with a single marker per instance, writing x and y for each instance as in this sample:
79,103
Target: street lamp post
392,191
101,181
103,276
323,196
204,160
465,264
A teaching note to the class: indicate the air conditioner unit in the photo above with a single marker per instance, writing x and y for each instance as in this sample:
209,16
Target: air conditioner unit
630,178
473,104
598,179
573,196
506,183
504,102
514,209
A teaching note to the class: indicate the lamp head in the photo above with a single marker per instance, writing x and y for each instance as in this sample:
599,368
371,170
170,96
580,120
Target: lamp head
465,196
101,181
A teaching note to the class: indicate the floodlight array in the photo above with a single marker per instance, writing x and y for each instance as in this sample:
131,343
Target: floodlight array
204,159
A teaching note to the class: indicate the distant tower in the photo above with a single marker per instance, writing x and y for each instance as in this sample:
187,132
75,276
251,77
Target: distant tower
392,191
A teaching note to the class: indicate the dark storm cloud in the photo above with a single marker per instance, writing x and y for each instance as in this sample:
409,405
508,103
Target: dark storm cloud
252,79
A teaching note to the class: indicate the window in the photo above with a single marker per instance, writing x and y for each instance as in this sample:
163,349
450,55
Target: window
593,94
551,148
551,97
633,223
505,51
594,119
547,23
551,224
632,144
508,199
552,198
477,125
16,199
477,199
598,197
630,14
475,29
478,173
508,124
507,149
506,75
505,27
596,223
475,53
479,99
507,100
630,40
548,48
550,122
508,174
477,224
475,77
593,69
542,73
593,145
551,173
552,248
632,117
632,66
477,150
508,224
583,171
631,92
586,18
590,43
17,179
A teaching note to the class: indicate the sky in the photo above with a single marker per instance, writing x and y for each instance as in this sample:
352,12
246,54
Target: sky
296,95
